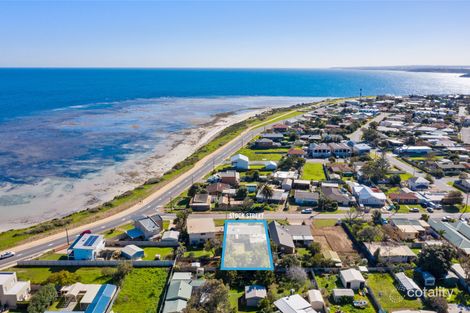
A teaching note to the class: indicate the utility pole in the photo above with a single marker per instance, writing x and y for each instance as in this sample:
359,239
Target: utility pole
360,95
465,206
67,235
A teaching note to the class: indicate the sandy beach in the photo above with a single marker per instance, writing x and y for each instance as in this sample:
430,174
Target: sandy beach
54,197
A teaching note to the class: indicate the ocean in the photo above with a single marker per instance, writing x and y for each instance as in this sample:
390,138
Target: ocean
72,138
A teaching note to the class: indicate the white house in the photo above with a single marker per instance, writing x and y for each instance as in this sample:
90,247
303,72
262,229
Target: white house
352,279
200,230
86,247
240,162
418,183
254,294
293,304
270,166
368,196
12,290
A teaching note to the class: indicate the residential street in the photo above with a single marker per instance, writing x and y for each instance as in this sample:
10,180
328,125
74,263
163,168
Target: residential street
356,136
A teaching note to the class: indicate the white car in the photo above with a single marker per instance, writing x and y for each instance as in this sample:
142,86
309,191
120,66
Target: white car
7,255
414,210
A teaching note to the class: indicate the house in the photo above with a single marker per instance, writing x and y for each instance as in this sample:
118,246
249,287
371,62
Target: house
414,150
146,227
316,299
132,252
254,294
251,187
361,149
302,197
296,152
340,150
240,162
301,184
321,150
86,247
286,184
342,169
391,253
91,298
461,274
270,166
280,128
281,175
408,286
200,230
216,189
418,183
293,304
352,279
339,294
281,238
457,234
409,229
200,202
178,293
278,196
230,177
404,197
273,136
368,196
265,143
451,168
13,291
170,237
301,234
334,194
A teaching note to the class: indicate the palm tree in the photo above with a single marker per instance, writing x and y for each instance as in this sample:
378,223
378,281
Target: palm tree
441,232
267,192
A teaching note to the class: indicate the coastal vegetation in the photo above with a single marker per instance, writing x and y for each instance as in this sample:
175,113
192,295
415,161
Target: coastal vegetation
129,198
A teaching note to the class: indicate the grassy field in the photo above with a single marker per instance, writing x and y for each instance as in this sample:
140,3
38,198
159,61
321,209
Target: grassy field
389,297
39,275
141,290
319,223
313,171
263,154
197,253
150,253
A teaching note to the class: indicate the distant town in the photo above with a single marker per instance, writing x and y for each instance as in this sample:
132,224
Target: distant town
345,205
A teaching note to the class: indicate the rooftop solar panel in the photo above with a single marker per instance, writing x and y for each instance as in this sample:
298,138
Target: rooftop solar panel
90,241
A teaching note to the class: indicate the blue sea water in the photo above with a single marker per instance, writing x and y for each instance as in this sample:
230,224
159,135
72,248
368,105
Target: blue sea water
66,124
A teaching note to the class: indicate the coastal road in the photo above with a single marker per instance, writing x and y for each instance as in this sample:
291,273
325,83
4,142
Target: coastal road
150,205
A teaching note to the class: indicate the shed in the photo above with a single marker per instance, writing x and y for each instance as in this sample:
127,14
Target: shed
352,279
316,299
339,294
254,294
132,252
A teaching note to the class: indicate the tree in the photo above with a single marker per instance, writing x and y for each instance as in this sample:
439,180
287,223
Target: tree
438,304
436,259
297,276
370,135
369,234
377,217
353,215
264,278
63,278
195,189
242,192
425,217
41,301
181,218
377,256
267,192
211,297
394,180
465,262
213,245
377,169
289,260
429,178
452,198
122,270
314,248
180,251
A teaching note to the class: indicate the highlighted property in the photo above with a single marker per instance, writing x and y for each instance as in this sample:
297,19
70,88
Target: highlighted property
246,246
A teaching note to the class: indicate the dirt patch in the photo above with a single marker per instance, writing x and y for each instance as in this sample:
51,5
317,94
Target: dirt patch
334,238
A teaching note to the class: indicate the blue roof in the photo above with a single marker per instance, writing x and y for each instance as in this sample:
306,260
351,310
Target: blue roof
102,300
90,241
134,233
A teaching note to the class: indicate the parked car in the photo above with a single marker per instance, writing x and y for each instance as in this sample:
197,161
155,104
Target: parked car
6,255
430,210
414,210
306,211
360,303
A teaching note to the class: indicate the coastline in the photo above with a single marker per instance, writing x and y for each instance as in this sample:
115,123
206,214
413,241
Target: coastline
99,188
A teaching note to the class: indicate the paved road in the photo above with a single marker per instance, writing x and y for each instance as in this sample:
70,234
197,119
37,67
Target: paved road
182,183
357,135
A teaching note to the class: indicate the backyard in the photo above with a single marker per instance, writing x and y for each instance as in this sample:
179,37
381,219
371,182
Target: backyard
39,275
390,298
274,154
141,290
313,171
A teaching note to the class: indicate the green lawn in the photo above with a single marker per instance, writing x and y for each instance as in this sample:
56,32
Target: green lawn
263,154
53,256
302,251
328,282
233,297
39,275
141,290
197,253
114,232
389,297
313,171
319,223
150,253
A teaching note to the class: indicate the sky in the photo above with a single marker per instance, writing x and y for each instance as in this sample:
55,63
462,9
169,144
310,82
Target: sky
276,34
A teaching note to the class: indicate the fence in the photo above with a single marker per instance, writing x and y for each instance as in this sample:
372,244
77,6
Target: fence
80,263
122,243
